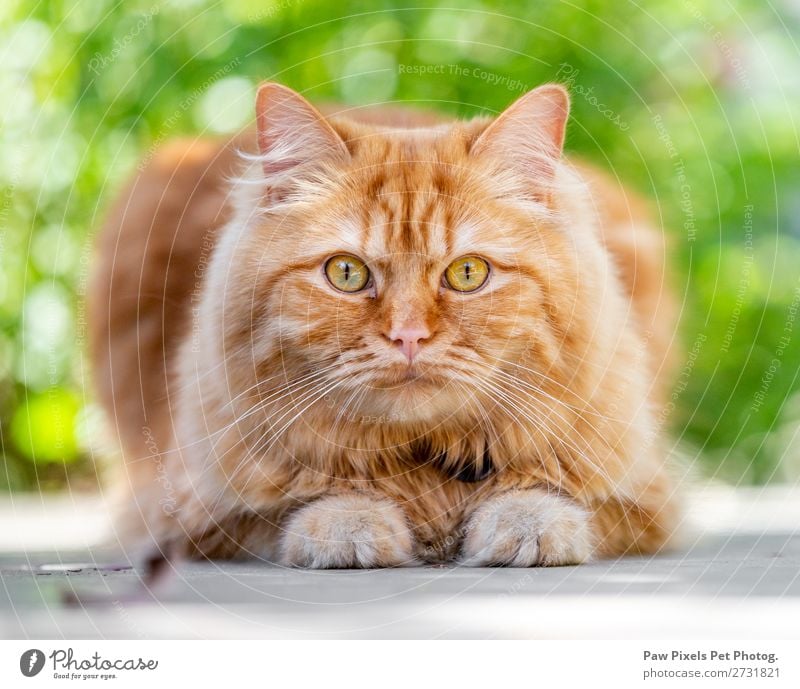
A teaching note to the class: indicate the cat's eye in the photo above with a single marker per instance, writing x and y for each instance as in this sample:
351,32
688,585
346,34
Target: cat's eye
347,273
466,274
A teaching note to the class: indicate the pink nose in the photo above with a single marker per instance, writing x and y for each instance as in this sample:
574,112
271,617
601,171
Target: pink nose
408,338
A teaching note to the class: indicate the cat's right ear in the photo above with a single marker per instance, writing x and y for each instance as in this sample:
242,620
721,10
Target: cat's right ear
528,136
293,137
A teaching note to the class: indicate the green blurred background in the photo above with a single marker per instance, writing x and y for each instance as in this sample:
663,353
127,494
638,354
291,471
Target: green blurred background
692,101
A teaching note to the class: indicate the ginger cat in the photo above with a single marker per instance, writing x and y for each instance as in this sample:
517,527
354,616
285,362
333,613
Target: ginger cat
379,338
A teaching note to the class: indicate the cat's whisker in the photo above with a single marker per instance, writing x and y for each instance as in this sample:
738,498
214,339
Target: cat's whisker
587,408
256,427
571,446
191,381
220,432
276,436
595,466
514,412
358,393
536,424
195,380
250,453
578,411
562,440
302,393
280,394
538,390
289,381
599,434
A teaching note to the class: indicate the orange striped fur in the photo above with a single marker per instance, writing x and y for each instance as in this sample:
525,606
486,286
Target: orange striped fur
264,413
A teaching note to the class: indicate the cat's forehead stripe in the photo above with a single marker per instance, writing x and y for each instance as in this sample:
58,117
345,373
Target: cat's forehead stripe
405,224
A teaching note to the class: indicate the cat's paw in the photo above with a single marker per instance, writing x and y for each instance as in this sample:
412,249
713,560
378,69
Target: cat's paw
347,531
527,528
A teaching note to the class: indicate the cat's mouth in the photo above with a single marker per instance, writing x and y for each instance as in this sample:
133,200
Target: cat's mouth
404,394
413,375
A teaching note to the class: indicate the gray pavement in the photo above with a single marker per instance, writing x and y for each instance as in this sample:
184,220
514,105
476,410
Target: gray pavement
737,576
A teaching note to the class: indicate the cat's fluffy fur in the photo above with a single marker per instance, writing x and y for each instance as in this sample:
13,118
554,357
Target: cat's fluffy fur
263,413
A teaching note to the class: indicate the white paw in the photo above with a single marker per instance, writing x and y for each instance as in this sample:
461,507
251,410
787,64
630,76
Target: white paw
526,528
347,531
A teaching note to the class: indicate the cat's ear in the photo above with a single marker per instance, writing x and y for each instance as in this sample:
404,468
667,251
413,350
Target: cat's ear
292,135
529,134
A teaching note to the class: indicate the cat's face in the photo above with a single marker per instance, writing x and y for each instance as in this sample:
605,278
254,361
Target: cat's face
411,270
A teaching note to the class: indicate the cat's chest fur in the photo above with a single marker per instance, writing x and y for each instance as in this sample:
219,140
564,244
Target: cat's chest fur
437,506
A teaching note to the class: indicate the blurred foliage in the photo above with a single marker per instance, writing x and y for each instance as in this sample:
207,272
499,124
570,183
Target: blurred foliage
693,101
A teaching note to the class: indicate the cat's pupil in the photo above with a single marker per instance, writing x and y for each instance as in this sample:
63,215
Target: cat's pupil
466,271
347,272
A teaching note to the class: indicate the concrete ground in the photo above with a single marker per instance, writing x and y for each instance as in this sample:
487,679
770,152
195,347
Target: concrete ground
738,576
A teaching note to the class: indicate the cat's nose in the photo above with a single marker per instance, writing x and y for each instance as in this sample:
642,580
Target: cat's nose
408,338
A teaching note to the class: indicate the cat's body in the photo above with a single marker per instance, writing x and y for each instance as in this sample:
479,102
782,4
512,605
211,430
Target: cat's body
263,413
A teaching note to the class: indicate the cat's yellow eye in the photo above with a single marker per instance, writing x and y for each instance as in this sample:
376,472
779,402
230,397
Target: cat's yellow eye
347,273
466,274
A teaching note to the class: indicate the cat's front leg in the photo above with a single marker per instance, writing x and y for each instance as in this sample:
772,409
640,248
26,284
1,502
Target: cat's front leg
347,531
527,528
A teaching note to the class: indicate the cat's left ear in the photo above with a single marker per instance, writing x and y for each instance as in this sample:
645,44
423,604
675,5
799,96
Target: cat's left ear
529,134
294,139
